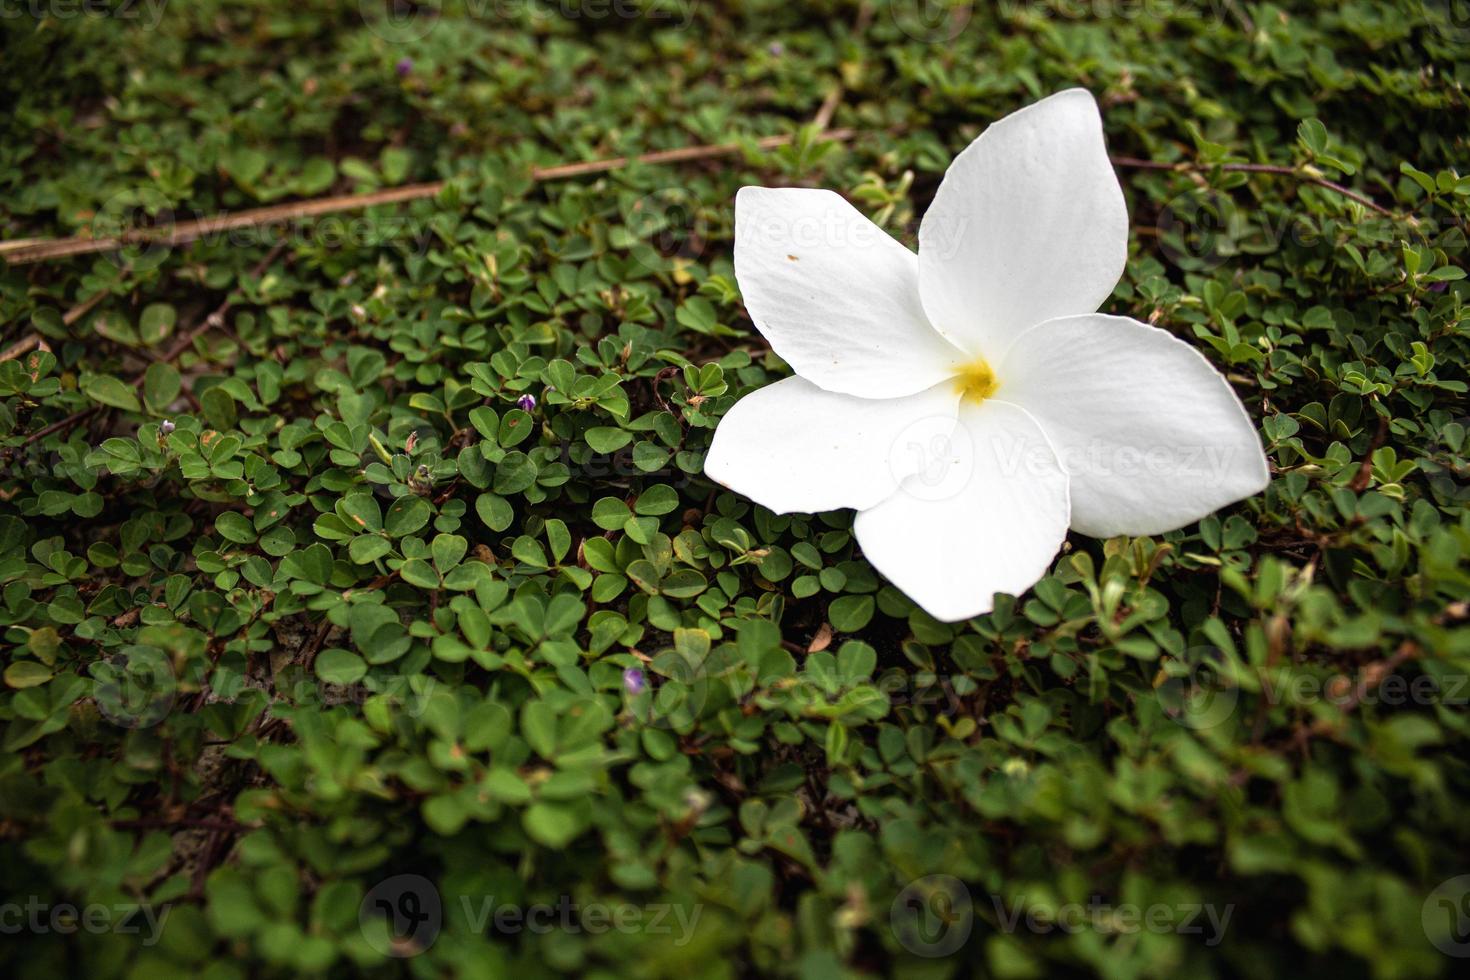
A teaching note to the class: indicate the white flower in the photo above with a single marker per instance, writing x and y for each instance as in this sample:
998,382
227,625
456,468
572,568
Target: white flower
968,401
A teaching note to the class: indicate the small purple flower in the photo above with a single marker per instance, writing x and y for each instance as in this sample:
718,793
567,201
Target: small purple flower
166,426
405,67
633,681
776,48
527,403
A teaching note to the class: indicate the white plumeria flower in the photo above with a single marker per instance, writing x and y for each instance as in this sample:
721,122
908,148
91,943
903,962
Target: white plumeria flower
968,401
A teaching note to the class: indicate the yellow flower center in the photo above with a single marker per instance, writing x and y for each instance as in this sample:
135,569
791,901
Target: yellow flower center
976,381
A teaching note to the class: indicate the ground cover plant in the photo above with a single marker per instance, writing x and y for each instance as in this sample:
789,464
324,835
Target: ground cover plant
366,609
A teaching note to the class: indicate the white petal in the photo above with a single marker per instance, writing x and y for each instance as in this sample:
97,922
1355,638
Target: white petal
835,295
986,517
1153,437
1028,224
792,446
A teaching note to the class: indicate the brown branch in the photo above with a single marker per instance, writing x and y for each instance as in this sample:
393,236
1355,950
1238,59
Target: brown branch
216,318
163,823
1364,476
25,251
1261,168
71,316
31,250
22,346
181,345
60,424
28,250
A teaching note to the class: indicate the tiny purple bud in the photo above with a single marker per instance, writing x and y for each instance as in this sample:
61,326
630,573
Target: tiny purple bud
776,48
527,403
166,426
1439,287
405,67
633,681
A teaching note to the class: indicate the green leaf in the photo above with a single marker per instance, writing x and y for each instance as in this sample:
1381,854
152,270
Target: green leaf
606,439
336,666
367,548
26,673
110,391
235,527
1313,135
161,385
657,500
494,510
554,825
850,613
515,473
407,515
156,323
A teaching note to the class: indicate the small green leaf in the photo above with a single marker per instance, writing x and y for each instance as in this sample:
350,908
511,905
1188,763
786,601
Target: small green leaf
111,391
407,515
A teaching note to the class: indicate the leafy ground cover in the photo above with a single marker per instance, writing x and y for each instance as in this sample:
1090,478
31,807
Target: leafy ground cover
366,610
